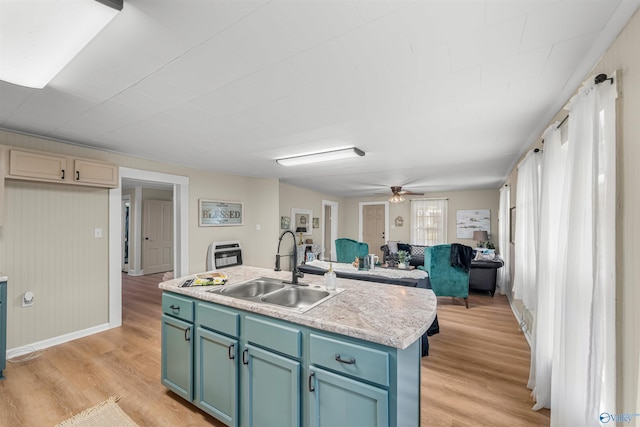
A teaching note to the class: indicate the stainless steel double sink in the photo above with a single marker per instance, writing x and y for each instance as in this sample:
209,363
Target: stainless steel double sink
300,297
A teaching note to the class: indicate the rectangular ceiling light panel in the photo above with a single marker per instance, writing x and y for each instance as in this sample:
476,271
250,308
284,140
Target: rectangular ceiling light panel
38,38
325,156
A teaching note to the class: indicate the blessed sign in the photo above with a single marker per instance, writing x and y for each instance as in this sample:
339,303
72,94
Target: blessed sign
214,212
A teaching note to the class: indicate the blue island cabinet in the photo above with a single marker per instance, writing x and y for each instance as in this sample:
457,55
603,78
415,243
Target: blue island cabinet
251,370
3,328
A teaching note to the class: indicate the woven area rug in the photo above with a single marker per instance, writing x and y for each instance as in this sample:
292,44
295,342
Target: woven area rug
105,414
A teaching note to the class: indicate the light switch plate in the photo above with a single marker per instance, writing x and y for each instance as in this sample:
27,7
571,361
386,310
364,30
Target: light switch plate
97,233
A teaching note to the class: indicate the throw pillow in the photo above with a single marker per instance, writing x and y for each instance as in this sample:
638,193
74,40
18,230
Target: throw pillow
417,251
393,247
404,247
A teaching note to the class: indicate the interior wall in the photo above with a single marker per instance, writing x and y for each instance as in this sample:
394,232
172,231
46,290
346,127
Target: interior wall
622,56
260,197
47,246
458,200
292,197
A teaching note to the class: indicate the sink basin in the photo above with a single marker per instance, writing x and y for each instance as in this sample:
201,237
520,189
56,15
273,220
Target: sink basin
266,290
295,297
254,288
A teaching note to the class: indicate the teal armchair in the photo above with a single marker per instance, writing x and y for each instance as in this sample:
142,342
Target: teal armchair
446,279
347,250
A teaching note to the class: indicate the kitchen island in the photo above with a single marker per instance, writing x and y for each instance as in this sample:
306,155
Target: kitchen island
352,360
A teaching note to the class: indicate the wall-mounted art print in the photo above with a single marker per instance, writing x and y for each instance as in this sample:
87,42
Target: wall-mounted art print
316,222
468,221
285,223
301,221
217,212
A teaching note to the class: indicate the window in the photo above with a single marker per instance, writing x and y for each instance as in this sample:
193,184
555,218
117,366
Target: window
429,222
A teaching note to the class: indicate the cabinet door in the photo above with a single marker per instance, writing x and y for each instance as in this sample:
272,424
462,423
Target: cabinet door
217,375
44,167
336,400
271,389
95,173
177,356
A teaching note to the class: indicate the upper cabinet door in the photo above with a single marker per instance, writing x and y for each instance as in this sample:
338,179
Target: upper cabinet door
38,166
95,173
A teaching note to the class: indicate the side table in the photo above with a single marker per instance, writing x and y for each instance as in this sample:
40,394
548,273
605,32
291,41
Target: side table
482,276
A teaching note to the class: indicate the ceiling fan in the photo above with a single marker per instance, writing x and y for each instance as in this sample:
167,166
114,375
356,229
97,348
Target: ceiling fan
397,193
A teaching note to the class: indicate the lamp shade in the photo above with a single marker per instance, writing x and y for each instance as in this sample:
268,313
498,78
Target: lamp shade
301,230
480,236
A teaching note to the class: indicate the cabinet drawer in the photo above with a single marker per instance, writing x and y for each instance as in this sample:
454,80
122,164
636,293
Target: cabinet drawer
218,319
351,359
177,306
275,336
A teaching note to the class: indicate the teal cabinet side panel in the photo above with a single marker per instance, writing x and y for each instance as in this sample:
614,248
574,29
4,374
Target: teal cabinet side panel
177,356
3,328
217,375
340,401
272,389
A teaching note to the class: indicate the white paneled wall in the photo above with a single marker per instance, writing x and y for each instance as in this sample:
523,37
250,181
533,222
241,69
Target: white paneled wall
47,246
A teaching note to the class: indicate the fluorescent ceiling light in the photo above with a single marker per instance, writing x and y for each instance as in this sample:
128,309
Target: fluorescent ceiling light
325,156
38,38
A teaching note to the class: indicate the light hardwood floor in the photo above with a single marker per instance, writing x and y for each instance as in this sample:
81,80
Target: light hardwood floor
475,375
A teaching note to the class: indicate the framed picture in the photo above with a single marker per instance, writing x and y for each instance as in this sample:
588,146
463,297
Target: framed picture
468,221
285,223
316,222
219,213
301,221
512,225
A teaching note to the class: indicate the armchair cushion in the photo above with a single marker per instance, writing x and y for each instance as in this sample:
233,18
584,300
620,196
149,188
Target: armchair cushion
347,250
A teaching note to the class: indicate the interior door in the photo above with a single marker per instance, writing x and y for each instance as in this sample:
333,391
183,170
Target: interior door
373,226
157,234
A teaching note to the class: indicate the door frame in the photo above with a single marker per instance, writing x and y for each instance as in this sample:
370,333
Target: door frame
361,221
180,232
334,226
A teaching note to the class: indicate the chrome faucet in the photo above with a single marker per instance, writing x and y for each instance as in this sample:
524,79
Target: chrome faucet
294,270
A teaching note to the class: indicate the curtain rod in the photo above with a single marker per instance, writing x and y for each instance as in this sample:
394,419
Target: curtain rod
600,78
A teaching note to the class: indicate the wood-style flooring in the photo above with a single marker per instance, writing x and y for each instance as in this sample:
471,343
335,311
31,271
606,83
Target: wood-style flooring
475,375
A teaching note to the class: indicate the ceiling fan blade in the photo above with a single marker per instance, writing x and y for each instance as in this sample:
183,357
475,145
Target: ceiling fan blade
411,193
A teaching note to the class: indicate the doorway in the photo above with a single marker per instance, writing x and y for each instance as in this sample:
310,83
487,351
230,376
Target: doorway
329,219
157,234
374,225
180,187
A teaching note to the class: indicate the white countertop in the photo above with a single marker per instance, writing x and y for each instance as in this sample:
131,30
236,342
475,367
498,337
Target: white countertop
3,278
392,315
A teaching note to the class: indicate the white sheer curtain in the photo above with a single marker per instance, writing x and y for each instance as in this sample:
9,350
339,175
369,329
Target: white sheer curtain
583,376
504,232
550,264
526,241
429,222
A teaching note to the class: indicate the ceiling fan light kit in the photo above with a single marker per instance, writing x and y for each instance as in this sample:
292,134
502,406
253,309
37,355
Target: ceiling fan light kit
323,156
397,193
38,40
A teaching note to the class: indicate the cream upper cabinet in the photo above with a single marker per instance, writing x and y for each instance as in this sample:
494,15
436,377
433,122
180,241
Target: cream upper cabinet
95,173
39,166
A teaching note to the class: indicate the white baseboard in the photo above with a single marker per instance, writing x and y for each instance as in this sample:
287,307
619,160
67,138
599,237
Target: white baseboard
40,345
136,273
521,323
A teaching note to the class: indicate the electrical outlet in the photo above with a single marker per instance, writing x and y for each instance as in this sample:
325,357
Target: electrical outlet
27,299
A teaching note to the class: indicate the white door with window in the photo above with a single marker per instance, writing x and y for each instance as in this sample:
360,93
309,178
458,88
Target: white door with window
157,235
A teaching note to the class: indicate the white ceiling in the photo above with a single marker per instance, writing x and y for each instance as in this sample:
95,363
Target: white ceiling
441,95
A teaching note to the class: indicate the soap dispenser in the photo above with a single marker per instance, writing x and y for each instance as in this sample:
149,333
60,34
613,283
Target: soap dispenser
330,279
